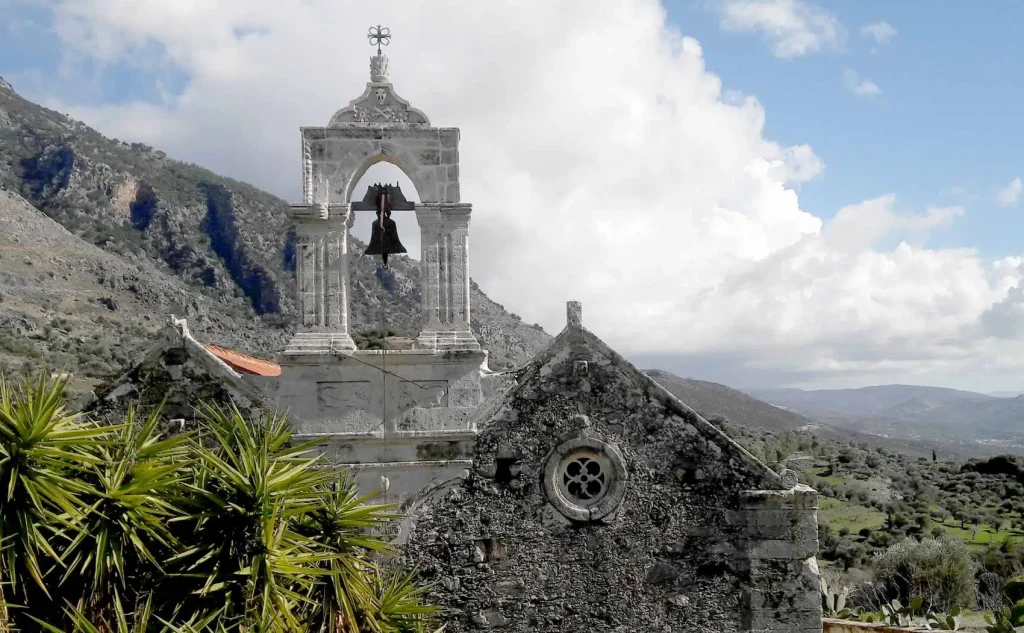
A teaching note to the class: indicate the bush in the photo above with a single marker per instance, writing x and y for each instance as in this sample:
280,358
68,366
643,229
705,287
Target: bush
941,571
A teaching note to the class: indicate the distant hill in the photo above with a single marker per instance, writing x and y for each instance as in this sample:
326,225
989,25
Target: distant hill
709,399
90,221
951,416
712,399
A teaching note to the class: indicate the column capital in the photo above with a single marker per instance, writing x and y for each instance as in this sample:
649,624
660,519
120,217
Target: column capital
449,216
337,213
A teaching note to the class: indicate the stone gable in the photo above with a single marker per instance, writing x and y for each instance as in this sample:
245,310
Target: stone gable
597,501
180,373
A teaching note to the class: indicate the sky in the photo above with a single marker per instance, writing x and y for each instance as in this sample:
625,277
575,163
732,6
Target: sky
755,192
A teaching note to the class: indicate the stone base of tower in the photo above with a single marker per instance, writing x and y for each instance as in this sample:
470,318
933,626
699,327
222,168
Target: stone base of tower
319,343
404,414
447,340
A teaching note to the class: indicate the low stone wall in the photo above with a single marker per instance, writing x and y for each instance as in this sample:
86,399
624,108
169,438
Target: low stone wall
845,626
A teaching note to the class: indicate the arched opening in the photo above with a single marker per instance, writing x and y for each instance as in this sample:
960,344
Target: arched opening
408,228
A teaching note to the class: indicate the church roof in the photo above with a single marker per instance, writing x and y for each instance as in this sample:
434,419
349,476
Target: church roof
243,363
575,336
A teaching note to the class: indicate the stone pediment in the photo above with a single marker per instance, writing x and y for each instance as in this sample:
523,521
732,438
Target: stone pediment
379,106
590,374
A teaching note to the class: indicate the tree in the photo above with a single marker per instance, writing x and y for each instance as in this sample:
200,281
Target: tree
940,571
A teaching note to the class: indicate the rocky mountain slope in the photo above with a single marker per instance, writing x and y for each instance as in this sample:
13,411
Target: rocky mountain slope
107,237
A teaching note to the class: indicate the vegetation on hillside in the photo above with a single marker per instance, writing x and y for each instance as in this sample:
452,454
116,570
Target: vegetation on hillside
112,527
892,526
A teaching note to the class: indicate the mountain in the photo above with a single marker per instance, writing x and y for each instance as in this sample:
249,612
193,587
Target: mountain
866,400
103,239
713,400
913,412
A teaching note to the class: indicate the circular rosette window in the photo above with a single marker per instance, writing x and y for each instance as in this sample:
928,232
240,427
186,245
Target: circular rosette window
585,478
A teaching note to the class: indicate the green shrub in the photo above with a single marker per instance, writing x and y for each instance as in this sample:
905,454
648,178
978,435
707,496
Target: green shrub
940,571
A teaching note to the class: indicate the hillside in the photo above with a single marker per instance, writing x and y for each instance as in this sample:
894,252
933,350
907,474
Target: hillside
964,418
107,237
712,399
715,401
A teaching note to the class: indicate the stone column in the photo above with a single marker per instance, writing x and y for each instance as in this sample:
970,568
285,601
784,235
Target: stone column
444,231
322,280
458,253
429,219
782,592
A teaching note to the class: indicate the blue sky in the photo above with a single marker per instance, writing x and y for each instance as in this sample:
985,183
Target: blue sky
946,129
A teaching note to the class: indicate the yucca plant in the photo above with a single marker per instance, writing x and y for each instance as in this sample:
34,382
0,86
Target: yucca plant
124,536
108,528
44,452
244,559
136,621
400,604
357,596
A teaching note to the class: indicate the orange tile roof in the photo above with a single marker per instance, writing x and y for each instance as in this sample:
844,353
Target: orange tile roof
243,363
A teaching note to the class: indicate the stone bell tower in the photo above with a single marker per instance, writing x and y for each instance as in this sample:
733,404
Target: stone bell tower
399,414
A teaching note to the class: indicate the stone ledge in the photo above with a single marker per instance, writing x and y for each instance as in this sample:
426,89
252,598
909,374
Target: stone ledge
382,436
801,497
832,625
442,463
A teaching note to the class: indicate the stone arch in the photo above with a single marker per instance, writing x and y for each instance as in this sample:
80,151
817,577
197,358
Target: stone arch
353,169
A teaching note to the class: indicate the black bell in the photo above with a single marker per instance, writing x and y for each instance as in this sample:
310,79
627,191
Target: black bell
384,236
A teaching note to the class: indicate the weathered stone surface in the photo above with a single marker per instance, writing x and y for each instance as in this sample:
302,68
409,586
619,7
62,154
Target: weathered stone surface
675,554
180,373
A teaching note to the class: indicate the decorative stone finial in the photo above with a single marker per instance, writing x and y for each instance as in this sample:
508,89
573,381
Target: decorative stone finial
574,314
379,36
789,478
379,69
181,325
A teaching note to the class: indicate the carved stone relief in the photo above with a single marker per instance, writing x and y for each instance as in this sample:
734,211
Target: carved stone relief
351,394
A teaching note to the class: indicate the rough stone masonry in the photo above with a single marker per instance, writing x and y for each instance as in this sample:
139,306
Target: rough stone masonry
598,502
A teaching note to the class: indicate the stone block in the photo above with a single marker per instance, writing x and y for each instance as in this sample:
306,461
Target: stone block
449,137
449,157
429,157
453,173
782,525
801,497
782,619
783,598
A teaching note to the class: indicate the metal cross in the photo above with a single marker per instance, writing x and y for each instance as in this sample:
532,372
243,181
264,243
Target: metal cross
379,36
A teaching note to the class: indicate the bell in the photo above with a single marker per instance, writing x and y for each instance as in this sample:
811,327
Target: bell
384,235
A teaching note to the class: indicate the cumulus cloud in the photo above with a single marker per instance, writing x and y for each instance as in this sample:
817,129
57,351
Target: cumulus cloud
604,163
793,27
881,32
1010,194
860,86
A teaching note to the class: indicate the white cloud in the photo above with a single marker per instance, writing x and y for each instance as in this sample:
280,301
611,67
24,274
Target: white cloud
881,32
605,165
1010,194
860,86
793,27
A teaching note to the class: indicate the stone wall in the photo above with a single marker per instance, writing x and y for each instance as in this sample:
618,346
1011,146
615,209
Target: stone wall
687,548
782,593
